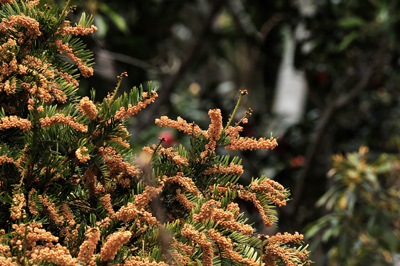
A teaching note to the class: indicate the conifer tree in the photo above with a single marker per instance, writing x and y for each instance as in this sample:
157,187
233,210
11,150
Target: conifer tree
73,192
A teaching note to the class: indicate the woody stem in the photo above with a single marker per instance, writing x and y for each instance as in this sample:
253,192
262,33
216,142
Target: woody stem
234,112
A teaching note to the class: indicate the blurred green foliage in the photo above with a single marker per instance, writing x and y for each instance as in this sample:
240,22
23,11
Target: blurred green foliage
361,226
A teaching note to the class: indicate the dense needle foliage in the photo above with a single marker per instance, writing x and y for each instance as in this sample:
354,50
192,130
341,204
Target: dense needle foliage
73,192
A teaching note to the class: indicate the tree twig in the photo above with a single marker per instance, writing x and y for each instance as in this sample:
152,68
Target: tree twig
130,60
